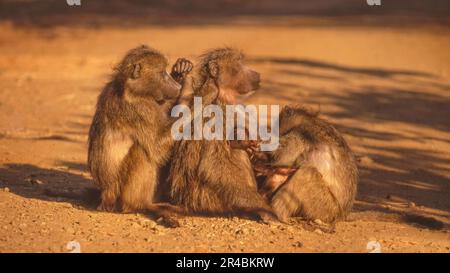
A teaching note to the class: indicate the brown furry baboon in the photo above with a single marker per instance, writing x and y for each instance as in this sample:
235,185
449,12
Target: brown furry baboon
129,138
208,176
312,173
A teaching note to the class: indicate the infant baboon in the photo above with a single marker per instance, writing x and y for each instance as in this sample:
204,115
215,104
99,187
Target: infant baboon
312,173
208,176
129,138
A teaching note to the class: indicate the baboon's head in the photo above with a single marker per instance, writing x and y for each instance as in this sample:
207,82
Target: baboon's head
226,66
143,73
294,115
292,110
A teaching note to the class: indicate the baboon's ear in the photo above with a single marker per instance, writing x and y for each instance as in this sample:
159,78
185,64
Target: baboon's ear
288,110
213,69
136,73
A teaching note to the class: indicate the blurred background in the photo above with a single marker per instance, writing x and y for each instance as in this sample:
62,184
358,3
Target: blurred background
173,12
381,74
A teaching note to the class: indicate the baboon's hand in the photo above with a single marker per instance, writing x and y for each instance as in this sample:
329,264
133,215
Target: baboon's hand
251,145
181,69
262,169
259,157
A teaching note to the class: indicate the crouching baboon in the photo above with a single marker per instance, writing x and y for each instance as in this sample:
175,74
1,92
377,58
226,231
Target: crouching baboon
208,176
129,138
312,173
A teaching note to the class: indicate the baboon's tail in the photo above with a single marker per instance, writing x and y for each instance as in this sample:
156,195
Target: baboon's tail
89,196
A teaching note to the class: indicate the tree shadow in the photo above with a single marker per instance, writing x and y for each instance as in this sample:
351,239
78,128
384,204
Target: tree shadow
394,104
305,74
413,105
307,63
424,185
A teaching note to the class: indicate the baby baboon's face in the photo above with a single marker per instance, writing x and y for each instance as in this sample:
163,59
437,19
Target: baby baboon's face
150,78
240,78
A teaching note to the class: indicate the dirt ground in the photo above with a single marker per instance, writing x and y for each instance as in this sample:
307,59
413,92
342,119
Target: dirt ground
385,87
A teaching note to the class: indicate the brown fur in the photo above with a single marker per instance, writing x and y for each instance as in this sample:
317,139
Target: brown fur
209,176
324,180
129,138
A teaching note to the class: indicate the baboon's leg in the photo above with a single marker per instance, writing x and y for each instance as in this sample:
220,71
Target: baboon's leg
138,191
306,195
232,199
139,179
249,203
271,184
109,182
107,151
109,198
245,198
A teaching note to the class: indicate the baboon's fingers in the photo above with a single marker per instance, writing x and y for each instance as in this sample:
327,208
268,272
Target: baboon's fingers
179,66
174,67
183,65
190,66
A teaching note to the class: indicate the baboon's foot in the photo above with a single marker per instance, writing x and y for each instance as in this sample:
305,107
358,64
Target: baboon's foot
107,206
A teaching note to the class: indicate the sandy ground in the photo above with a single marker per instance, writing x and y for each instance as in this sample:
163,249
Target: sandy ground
386,88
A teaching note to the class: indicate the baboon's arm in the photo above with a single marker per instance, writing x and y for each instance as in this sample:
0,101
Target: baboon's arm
290,152
181,69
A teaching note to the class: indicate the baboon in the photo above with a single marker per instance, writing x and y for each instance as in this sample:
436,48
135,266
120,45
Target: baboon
312,173
208,176
129,138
